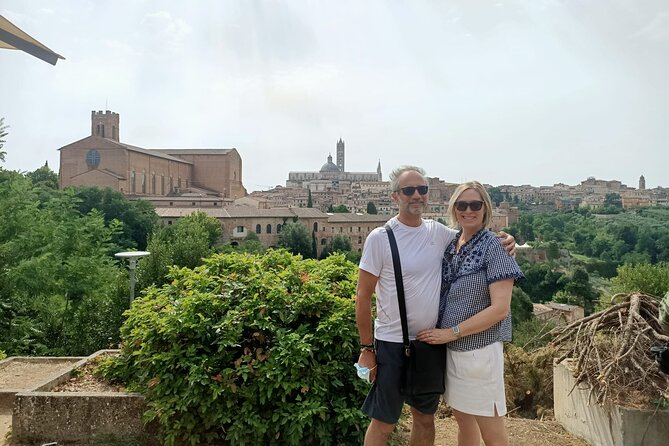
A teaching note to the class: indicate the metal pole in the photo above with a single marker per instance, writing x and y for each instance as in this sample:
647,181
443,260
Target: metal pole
133,264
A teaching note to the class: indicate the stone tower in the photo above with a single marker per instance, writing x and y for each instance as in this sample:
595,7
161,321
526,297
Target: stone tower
340,155
642,183
378,171
105,125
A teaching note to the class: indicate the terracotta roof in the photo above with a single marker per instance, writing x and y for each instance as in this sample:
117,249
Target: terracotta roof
151,152
195,151
350,217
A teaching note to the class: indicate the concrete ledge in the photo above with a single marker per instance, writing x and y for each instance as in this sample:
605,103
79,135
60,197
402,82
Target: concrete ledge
78,418
609,425
7,394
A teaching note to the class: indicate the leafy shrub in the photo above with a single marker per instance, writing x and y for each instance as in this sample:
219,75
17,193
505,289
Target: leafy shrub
249,350
2,355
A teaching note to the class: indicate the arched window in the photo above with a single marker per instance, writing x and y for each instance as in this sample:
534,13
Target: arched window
143,182
258,228
269,229
132,181
359,239
323,241
278,228
316,227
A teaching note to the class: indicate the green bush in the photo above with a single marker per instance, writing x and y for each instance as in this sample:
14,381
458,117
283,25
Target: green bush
248,350
2,355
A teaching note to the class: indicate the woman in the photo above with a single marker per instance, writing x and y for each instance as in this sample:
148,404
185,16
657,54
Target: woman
478,276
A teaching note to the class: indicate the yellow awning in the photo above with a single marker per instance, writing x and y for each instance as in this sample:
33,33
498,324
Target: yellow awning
13,38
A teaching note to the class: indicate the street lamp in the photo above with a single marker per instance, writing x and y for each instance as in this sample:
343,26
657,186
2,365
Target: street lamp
132,256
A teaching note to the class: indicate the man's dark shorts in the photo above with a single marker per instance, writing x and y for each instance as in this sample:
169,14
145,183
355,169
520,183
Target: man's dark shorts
384,401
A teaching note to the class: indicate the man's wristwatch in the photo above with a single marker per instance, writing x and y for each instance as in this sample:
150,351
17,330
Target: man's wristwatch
367,348
456,331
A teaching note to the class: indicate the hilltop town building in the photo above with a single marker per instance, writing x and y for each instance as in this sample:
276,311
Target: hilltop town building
102,160
332,176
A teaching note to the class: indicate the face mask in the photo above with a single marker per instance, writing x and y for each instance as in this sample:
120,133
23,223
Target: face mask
363,372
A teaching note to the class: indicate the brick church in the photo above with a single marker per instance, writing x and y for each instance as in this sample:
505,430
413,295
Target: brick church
102,160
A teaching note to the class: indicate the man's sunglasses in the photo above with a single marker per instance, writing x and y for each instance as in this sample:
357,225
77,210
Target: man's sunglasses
410,190
473,205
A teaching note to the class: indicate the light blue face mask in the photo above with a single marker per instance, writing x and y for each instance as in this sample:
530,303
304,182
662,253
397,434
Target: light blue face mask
363,372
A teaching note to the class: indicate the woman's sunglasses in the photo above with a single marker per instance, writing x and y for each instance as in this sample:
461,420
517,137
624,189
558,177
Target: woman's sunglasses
473,205
410,190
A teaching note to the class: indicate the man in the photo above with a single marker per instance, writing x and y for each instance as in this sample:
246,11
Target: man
421,244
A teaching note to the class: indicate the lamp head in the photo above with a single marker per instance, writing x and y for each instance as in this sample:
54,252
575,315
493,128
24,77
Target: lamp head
132,254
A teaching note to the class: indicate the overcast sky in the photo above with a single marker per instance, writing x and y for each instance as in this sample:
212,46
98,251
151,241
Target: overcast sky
509,92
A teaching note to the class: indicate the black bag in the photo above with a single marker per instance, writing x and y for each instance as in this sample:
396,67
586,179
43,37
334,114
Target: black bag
424,364
424,370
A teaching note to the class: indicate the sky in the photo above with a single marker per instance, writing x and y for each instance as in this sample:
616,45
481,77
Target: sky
505,92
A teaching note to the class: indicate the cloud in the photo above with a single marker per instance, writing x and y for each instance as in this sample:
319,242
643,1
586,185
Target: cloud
657,30
166,31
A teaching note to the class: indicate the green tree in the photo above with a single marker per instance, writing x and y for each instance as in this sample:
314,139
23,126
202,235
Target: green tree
183,244
613,200
553,250
138,216
3,133
645,278
310,202
578,284
340,209
295,238
521,306
341,243
44,177
496,195
53,263
371,208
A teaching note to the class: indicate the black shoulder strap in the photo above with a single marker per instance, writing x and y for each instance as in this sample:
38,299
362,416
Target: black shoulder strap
399,283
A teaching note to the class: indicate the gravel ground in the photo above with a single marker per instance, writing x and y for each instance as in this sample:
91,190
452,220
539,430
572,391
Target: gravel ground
522,432
26,375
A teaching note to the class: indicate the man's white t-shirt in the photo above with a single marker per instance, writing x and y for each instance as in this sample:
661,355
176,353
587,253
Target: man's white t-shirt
421,250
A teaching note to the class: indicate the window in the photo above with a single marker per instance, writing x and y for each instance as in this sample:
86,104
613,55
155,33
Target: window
162,185
239,229
316,227
278,228
93,159
269,229
193,203
132,181
359,239
258,228
323,241
153,184
143,182
169,222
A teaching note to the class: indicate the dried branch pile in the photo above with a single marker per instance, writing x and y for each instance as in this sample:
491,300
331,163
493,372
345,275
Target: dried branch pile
610,351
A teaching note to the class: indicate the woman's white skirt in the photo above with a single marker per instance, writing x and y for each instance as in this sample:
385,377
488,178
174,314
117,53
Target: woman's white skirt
475,381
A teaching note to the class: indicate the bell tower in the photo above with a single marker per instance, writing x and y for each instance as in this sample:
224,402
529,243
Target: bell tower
642,183
340,155
105,124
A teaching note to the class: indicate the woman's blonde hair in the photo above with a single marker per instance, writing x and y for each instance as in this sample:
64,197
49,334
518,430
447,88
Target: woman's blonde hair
487,203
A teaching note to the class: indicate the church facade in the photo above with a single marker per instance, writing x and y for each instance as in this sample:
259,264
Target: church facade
102,160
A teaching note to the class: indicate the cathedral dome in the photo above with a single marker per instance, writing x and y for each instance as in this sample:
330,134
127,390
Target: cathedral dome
329,166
